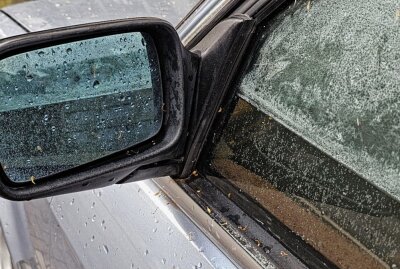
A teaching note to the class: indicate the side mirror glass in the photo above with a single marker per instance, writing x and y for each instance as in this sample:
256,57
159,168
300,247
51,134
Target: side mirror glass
87,106
65,105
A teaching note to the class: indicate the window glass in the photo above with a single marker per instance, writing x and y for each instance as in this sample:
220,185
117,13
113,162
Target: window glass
314,137
329,70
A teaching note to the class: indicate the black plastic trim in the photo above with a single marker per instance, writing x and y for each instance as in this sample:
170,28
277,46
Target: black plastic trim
221,52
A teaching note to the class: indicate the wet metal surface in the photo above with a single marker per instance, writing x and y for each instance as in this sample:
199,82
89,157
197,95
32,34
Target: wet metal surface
47,14
9,27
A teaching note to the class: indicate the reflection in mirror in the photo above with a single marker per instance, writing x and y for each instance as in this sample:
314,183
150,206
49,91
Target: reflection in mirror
69,104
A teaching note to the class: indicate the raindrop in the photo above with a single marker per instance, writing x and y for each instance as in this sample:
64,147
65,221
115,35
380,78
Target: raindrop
154,230
103,222
105,248
72,201
146,252
92,238
267,249
96,84
41,53
94,218
163,261
93,204
69,51
29,78
53,128
191,236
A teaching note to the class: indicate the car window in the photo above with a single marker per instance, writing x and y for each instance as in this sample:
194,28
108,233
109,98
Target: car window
315,134
329,71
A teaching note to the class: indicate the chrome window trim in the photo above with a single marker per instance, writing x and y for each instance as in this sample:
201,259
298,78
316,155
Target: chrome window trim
209,227
207,13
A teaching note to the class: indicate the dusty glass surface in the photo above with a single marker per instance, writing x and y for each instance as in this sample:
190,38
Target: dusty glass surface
329,70
344,217
315,135
69,104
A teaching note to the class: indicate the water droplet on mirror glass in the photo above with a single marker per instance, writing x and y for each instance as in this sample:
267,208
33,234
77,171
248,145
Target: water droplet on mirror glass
96,84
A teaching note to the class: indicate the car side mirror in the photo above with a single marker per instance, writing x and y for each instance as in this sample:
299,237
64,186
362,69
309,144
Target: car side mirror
92,105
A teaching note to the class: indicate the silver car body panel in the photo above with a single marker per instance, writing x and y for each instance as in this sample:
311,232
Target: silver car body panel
148,224
8,27
47,14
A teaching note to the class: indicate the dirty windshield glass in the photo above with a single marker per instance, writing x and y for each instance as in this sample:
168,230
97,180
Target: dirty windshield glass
315,135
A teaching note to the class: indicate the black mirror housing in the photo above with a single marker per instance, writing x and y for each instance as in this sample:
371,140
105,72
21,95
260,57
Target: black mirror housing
159,155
